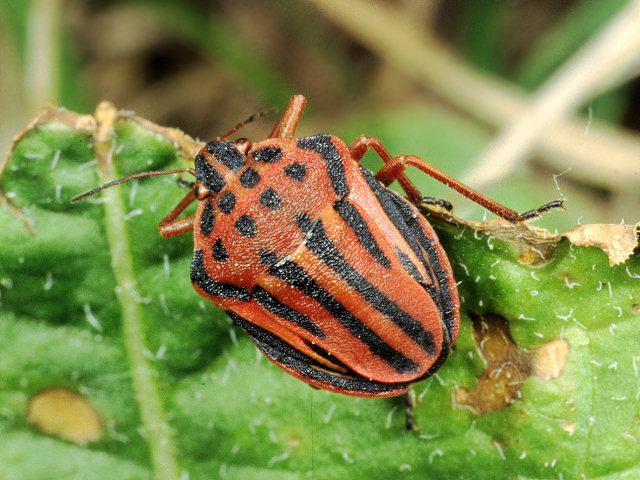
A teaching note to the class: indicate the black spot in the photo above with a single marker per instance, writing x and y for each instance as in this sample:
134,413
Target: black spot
267,154
268,258
335,168
270,199
227,202
249,178
207,220
208,176
246,226
228,154
303,221
219,252
296,170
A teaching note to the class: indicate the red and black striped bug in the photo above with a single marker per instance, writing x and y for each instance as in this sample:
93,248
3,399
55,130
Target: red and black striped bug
337,279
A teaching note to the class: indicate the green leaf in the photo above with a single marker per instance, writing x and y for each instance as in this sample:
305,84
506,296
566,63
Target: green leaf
95,304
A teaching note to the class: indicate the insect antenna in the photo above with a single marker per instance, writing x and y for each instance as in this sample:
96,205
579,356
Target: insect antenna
93,191
252,118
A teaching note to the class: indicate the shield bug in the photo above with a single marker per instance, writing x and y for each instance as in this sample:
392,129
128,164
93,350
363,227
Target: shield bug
337,279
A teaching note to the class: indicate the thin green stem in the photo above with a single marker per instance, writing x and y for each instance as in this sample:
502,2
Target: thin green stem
159,432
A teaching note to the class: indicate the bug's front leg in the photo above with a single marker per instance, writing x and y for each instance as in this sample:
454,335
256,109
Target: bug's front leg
171,225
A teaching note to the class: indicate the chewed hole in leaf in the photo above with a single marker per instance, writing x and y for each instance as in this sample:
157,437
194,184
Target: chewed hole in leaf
507,365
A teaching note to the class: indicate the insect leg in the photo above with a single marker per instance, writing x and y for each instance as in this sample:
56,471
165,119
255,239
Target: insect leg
362,144
171,225
286,126
394,170
409,405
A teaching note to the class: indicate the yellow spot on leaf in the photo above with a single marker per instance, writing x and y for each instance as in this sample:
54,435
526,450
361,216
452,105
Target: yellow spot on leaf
65,414
550,359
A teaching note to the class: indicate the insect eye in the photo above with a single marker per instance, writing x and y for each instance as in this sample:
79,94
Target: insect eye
201,191
243,145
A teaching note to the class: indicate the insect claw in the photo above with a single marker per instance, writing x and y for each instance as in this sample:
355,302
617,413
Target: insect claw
437,201
544,208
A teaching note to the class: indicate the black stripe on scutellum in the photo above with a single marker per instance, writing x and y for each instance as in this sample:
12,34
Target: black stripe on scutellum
406,222
200,277
207,220
358,224
267,258
228,154
319,243
207,175
282,310
325,148
283,353
297,277
408,265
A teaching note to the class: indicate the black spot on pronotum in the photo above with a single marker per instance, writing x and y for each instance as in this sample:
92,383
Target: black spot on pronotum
296,170
219,252
270,199
228,154
207,220
227,202
267,154
335,168
208,285
249,178
246,226
207,175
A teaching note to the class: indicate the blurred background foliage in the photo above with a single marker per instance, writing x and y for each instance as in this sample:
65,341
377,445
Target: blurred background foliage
204,65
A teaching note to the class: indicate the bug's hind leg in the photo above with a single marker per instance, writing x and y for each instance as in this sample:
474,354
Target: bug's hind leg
394,168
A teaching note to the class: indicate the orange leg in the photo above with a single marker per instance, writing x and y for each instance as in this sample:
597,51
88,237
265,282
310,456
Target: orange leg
394,170
171,225
286,126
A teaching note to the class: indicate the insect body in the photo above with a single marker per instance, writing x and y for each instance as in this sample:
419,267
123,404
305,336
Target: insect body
337,279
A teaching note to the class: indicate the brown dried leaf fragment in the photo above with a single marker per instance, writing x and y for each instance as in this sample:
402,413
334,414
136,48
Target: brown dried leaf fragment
617,241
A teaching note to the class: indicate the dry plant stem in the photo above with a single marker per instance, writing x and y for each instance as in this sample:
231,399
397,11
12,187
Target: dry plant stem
42,57
614,51
416,53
